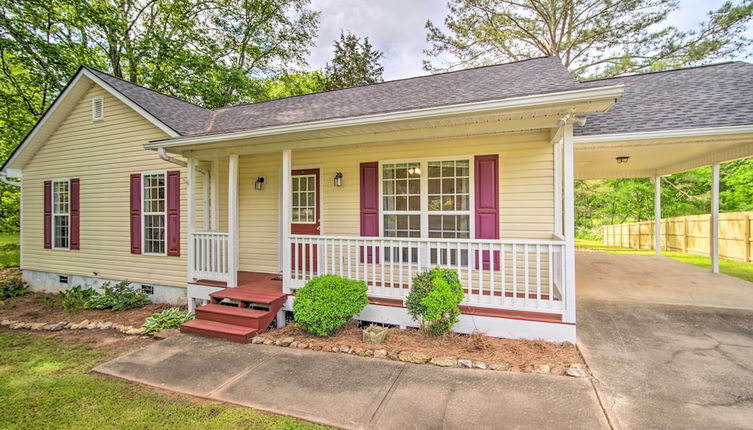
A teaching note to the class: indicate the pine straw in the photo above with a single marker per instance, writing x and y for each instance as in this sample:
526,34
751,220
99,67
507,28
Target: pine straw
516,352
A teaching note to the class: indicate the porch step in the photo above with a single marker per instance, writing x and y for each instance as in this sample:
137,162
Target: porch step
248,295
218,330
253,318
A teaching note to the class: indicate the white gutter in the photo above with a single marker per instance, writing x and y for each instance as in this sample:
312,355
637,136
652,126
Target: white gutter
665,134
4,179
575,96
163,155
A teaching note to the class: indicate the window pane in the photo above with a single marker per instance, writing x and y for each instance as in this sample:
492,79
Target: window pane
449,185
61,231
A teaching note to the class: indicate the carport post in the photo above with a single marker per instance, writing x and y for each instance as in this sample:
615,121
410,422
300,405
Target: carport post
657,214
715,218
569,221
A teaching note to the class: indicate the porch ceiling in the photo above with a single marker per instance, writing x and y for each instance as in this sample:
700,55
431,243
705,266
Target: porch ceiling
659,153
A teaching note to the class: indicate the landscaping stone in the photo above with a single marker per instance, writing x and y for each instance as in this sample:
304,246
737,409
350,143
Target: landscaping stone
393,355
286,341
316,348
412,357
542,368
293,344
576,371
369,353
345,348
107,326
514,369
465,363
357,351
558,370
16,325
5,323
49,327
133,331
303,345
257,340
444,361
278,342
335,349
68,325
479,365
528,369
91,326
268,341
375,334
380,353
164,334
84,323
36,326
499,366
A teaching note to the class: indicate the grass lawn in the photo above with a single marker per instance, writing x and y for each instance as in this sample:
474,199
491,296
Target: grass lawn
44,383
10,254
732,268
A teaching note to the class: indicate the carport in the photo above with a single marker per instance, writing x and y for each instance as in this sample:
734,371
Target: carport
669,122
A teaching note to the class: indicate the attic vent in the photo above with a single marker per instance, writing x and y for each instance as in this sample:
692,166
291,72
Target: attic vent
98,109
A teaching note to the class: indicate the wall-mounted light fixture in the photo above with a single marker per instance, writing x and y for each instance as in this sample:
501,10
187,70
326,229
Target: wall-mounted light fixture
259,184
339,179
622,160
414,170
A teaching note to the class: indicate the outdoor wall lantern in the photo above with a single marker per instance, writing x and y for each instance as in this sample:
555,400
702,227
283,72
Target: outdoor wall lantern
259,184
622,160
414,170
339,179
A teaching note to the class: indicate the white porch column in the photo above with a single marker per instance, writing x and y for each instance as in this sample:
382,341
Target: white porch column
569,221
715,218
205,200
558,188
657,214
285,217
191,202
232,221
214,200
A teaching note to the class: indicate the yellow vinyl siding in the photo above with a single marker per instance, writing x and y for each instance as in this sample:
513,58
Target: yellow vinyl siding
102,154
526,187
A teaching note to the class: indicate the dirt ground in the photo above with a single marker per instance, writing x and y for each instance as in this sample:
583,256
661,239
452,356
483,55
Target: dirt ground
516,352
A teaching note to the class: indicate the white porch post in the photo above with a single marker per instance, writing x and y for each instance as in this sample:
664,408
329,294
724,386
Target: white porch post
558,188
190,190
715,218
205,200
657,214
569,221
232,221
285,218
214,200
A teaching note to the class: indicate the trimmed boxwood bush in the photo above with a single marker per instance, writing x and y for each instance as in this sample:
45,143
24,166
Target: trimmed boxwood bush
328,302
433,299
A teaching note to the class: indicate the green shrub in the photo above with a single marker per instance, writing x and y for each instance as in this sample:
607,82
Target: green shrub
328,302
120,297
169,318
433,299
75,299
13,286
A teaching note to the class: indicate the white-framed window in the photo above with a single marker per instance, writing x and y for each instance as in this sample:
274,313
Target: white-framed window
427,198
98,108
61,213
304,199
154,213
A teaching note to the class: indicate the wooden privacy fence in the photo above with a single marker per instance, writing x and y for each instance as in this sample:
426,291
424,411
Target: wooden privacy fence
688,234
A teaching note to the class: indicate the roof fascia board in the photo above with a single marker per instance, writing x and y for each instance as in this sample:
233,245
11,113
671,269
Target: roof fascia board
575,96
117,94
663,134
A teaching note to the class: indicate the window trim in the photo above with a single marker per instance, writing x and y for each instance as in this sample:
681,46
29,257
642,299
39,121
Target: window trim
53,214
424,211
143,213
96,99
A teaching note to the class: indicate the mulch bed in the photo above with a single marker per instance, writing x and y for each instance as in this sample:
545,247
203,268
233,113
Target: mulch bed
477,347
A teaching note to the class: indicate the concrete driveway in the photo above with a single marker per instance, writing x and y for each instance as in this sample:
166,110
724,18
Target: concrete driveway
670,345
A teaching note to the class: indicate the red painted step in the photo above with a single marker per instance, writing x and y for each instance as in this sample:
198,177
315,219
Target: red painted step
234,315
218,330
247,295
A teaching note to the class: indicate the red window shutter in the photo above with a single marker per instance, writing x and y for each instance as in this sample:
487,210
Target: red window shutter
48,214
75,213
369,203
173,213
486,170
136,213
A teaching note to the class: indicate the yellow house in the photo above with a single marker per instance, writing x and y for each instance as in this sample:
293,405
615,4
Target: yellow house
471,170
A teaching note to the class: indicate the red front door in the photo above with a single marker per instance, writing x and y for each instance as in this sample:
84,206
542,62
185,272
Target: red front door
305,215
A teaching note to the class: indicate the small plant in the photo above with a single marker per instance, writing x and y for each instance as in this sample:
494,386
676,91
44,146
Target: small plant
120,297
433,300
13,286
169,318
328,302
75,299
48,302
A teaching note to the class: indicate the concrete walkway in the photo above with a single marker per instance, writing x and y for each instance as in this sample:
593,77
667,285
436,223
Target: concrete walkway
657,361
360,393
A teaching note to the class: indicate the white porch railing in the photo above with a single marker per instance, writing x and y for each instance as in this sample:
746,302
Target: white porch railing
210,256
508,274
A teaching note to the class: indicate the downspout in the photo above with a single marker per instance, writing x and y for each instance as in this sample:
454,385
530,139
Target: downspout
4,179
163,155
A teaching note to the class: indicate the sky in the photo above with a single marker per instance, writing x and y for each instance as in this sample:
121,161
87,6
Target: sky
396,27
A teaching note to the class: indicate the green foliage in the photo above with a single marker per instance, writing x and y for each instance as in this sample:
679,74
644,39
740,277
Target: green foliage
10,251
355,62
433,299
13,286
120,297
75,299
48,302
591,38
169,318
328,302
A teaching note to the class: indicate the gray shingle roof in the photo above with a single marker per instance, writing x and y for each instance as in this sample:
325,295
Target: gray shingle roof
181,116
707,96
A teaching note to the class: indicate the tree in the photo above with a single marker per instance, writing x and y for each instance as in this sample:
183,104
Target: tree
355,62
592,37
